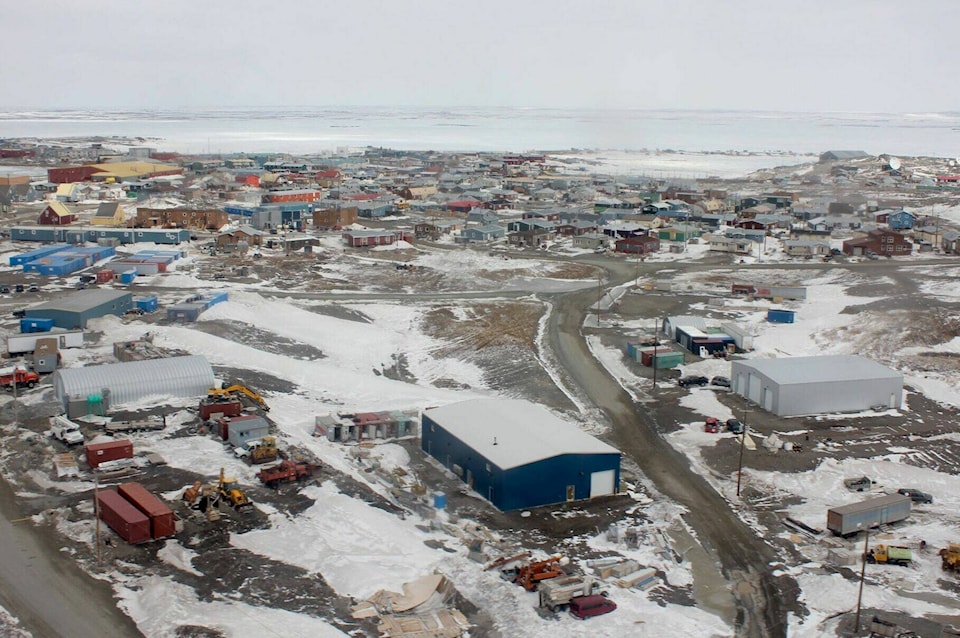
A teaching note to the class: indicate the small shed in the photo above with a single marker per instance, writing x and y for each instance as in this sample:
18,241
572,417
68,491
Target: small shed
46,355
241,429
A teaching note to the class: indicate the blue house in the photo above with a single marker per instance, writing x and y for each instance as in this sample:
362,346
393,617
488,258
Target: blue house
517,454
901,220
483,233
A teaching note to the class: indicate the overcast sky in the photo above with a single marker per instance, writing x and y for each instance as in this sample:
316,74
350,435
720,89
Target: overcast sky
795,55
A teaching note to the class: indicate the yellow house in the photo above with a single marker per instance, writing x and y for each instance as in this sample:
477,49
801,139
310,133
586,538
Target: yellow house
109,214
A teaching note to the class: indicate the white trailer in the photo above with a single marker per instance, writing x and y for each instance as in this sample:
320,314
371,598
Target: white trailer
27,342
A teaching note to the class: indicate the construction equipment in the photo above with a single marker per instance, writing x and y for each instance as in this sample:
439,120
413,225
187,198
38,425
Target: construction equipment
505,560
951,557
530,575
65,430
231,493
258,451
287,471
239,389
557,592
889,555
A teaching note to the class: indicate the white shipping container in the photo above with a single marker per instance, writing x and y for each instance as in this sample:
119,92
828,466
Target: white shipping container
27,342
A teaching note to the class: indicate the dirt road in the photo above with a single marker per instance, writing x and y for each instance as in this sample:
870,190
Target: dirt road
744,557
45,589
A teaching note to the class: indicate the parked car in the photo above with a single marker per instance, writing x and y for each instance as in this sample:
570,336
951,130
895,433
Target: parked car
915,495
4,290
684,382
18,288
135,311
858,484
33,288
87,279
711,425
587,606
733,425
722,382
19,314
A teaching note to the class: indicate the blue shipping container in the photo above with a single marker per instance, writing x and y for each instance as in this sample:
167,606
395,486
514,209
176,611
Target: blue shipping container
23,258
780,316
35,324
128,276
211,299
146,304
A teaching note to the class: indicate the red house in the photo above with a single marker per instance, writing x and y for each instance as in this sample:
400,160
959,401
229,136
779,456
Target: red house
637,245
56,214
880,242
462,206
293,195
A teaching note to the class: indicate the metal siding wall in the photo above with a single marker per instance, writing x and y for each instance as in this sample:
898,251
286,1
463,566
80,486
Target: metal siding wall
442,444
845,396
545,482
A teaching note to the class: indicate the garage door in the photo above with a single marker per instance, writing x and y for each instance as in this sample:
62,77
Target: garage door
601,483
753,388
767,400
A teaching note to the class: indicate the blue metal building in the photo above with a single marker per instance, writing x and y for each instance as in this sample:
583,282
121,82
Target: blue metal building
517,454
74,310
80,234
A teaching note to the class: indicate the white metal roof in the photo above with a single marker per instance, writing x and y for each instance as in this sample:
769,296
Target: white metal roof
132,381
789,370
510,432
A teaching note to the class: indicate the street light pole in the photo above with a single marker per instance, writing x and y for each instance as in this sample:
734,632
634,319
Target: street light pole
599,294
863,571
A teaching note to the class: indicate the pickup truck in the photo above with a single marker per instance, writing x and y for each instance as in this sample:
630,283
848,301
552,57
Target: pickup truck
65,430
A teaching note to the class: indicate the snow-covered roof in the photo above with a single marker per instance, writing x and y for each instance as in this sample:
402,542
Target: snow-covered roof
510,432
825,369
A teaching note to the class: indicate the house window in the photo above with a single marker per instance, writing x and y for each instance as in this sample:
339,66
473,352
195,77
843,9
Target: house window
489,469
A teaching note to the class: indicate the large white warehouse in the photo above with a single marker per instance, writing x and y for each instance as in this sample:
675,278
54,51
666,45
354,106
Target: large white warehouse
792,386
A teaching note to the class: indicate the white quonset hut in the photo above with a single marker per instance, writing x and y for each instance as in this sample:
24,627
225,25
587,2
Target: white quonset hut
120,383
792,386
517,454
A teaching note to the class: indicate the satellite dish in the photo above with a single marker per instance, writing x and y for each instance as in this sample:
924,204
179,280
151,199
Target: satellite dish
894,163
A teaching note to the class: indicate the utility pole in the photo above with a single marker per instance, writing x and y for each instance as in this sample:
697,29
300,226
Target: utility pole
96,513
599,294
743,439
656,340
863,571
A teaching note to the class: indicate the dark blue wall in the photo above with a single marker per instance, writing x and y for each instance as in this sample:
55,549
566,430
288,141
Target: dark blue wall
540,483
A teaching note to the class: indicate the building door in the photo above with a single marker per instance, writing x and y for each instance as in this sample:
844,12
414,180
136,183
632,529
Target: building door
490,493
884,515
571,492
469,478
601,483
753,388
893,401
767,400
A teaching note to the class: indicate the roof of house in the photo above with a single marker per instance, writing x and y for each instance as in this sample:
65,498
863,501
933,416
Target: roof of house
107,209
66,188
510,432
823,369
60,209
121,170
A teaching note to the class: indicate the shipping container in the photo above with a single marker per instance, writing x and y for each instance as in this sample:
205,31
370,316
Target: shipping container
18,344
780,316
185,311
213,298
128,276
849,519
127,521
104,276
24,258
227,407
98,453
161,517
146,304
35,324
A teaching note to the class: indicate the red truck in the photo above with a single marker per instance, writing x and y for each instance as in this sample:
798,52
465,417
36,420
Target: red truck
22,378
287,471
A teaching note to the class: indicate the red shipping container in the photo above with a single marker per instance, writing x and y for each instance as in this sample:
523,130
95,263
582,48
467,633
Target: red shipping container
209,407
161,516
126,520
104,276
98,453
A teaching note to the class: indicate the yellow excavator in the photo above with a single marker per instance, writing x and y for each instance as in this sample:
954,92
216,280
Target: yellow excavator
235,389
